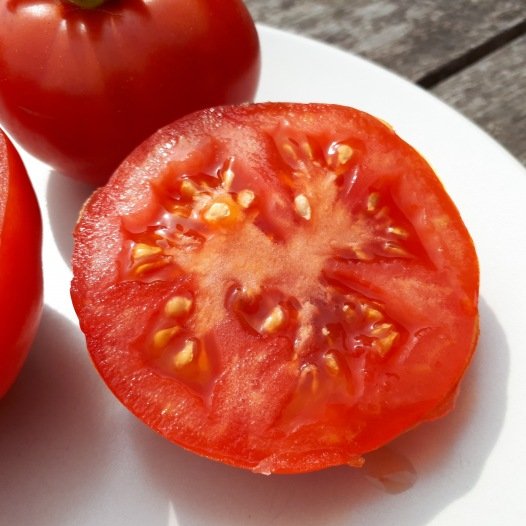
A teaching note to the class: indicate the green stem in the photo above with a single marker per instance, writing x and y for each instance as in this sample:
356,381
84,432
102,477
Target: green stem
87,4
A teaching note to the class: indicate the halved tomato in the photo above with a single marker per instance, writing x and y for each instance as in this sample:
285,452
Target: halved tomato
281,287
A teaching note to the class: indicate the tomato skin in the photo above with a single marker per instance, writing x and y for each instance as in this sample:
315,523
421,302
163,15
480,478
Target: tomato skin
336,223
80,88
20,264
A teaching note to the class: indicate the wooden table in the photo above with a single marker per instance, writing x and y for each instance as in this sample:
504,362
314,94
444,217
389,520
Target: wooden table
469,53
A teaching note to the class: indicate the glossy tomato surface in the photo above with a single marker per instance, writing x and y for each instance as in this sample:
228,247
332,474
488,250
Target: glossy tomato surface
20,264
279,287
80,88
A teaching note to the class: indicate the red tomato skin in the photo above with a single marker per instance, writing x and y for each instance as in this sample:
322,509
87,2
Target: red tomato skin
80,88
233,422
20,264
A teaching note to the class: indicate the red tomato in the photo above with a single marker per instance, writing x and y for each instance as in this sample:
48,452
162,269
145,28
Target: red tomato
280,287
80,88
20,264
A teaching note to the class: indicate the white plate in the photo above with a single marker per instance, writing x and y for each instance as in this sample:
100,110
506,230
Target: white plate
71,455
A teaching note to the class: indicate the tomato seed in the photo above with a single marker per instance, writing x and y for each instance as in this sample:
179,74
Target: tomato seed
360,253
331,362
393,249
344,152
289,150
274,320
245,198
381,329
227,174
307,150
302,206
177,306
371,313
186,355
162,337
148,267
217,212
188,189
372,201
398,231
383,345
142,250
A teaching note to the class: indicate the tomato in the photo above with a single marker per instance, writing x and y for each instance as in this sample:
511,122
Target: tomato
80,88
20,264
281,287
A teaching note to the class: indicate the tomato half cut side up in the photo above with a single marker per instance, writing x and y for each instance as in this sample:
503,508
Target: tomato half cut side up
280,287
20,264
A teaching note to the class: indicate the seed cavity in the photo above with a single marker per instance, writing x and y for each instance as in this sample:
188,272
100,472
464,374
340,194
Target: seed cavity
302,206
178,306
274,321
245,198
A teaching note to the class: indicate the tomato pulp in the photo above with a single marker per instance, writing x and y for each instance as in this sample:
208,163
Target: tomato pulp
80,88
20,264
281,287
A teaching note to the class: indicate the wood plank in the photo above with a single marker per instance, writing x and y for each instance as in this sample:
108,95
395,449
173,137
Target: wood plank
492,93
411,38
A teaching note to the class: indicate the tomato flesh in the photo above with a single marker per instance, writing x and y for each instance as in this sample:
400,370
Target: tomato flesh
20,264
281,287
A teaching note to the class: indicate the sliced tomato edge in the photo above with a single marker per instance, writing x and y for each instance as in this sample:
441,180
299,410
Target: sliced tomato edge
20,199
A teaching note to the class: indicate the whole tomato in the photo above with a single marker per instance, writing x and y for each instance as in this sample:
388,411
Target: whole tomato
20,264
85,81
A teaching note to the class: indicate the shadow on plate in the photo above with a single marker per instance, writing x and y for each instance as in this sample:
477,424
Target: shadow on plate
448,456
51,450
65,197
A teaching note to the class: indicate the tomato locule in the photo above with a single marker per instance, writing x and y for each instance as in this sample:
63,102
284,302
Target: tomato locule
20,264
81,87
280,287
